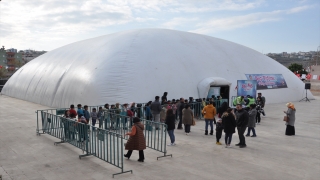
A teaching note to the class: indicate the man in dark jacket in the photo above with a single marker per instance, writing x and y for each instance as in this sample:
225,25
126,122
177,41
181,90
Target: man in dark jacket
164,98
242,118
181,107
263,99
86,113
155,110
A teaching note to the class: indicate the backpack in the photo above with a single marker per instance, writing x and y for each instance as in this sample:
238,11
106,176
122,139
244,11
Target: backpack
219,126
129,113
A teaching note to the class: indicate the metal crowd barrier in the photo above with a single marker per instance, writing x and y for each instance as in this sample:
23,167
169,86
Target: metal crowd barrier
41,126
101,143
198,106
155,132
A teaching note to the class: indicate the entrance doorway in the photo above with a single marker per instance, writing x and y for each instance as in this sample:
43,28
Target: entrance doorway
214,86
221,92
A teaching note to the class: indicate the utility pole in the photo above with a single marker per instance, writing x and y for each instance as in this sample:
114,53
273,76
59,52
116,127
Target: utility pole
318,55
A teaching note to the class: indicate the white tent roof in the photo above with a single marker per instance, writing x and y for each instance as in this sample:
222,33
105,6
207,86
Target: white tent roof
139,64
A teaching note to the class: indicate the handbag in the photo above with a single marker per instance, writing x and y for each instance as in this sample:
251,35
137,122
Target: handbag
193,122
286,119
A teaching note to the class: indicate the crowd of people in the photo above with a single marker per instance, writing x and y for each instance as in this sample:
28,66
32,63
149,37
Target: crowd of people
178,112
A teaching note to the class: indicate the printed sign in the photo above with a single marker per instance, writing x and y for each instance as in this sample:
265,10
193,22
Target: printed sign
268,81
247,87
314,76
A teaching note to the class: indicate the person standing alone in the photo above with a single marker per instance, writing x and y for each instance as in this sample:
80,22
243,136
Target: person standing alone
242,118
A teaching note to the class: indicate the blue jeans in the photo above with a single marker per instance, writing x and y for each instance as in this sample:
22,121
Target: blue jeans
253,131
228,138
207,123
171,135
94,123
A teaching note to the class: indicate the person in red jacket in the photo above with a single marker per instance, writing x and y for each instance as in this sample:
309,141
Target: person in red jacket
73,113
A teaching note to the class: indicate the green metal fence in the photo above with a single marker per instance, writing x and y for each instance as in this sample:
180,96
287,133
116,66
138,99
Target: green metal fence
101,143
42,125
155,132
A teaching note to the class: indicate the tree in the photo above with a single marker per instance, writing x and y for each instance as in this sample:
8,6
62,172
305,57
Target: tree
297,68
3,72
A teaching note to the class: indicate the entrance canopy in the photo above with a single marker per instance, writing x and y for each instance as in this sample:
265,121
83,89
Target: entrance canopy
204,85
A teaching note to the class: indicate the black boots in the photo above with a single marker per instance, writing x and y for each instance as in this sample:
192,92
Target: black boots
126,156
206,132
211,132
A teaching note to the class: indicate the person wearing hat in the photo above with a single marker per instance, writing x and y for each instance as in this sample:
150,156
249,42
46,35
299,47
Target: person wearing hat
136,140
291,113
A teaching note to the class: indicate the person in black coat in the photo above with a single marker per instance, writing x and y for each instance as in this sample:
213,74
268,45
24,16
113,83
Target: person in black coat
242,119
181,107
229,124
170,122
164,98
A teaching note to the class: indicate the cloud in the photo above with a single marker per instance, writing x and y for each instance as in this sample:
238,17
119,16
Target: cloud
42,22
177,21
215,5
220,24
297,9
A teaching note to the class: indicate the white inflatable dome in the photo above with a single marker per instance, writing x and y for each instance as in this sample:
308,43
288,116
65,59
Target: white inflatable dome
136,65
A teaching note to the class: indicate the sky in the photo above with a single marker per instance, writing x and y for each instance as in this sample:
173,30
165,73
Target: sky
263,25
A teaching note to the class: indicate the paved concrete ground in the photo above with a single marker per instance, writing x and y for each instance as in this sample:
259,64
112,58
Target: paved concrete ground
271,155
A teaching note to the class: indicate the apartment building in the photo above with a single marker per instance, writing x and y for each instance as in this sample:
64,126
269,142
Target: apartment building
10,60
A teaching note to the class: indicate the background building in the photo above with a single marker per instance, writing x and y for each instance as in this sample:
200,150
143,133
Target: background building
12,59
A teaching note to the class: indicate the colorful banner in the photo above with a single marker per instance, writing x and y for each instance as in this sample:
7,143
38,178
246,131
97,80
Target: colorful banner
247,87
268,81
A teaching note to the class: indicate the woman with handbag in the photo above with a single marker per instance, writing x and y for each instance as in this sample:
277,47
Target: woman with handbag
187,118
136,140
290,119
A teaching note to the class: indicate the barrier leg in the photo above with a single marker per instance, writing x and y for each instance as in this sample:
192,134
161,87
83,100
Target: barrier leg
56,143
122,172
164,155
